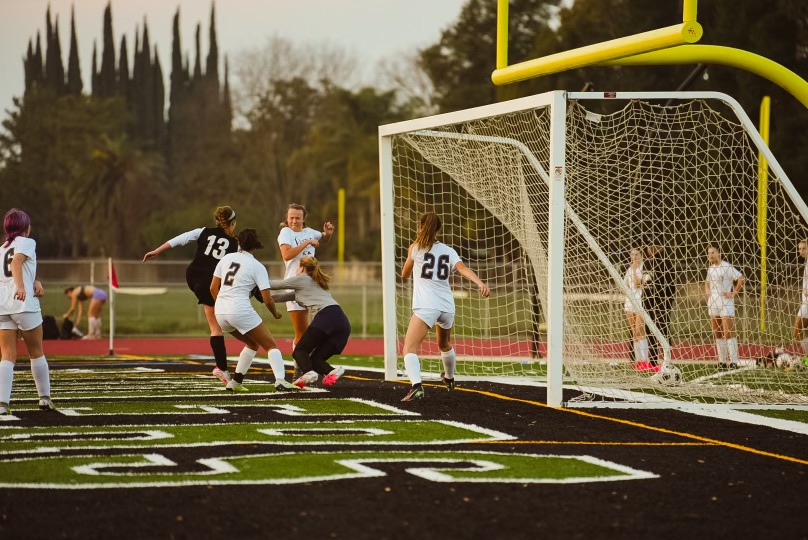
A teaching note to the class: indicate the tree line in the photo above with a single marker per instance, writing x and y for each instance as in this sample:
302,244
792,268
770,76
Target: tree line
115,171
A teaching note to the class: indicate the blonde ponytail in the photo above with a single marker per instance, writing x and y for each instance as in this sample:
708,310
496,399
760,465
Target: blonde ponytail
312,268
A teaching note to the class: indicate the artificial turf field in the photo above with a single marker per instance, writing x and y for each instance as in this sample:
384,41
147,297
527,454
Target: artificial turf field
154,448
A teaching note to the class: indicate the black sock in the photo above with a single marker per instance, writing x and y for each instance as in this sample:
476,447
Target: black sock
238,377
416,385
219,351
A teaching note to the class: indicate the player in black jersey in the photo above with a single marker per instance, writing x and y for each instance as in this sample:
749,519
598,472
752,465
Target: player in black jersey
212,243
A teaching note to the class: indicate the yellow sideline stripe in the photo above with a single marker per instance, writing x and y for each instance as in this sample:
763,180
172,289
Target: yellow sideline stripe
643,426
601,443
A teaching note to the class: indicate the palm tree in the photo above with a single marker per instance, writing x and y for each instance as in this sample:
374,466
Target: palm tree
122,193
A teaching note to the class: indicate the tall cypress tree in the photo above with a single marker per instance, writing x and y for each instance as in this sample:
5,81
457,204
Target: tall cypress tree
94,83
227,105
38,75
74,82
27,66
124,82
107,78
158,100
54,69
212,64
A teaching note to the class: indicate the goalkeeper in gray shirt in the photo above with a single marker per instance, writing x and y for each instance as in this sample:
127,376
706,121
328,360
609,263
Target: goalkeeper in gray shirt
329,330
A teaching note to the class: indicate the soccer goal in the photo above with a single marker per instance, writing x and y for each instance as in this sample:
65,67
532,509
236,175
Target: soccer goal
546,196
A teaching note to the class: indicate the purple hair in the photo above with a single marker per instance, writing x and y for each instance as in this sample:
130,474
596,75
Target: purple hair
15,223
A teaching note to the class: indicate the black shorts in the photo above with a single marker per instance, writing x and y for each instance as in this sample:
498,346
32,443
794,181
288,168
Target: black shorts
333,322
200,286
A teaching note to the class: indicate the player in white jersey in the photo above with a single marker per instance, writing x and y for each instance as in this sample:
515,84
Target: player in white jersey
634,282
297,241
431,263
19,309
801,321
723,283
233,280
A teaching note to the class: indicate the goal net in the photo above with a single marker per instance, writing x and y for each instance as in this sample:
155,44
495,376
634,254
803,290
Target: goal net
634,173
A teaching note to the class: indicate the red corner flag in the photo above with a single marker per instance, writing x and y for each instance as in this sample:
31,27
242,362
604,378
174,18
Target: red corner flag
111,277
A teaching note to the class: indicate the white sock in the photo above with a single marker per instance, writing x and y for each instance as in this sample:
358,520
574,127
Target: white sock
245,360
449,360
276,363
41,373
805,346
6,378
636,345
413,367
732,347
643,356
95,326
721,349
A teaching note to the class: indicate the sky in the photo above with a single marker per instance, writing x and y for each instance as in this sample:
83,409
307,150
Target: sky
370,29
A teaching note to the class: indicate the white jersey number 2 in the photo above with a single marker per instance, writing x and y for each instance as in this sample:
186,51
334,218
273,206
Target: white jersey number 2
224,243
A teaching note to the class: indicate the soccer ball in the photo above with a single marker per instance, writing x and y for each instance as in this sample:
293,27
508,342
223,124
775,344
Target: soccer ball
646,278
669,375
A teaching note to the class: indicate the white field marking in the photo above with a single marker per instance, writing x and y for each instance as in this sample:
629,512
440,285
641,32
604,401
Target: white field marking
496,435
306,431
8,418
402,412
434,474
217,466
721,374
121,443
362,471
79,396
206,408
74,411
749,418
57,371
148,435
151,460
286,409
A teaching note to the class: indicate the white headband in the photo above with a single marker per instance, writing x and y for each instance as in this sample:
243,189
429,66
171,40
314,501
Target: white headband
232,216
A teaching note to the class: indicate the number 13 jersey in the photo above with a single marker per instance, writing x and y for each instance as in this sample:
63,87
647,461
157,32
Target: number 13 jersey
212,243
430,277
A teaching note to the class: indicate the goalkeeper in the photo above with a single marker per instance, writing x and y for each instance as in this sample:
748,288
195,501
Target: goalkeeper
658,296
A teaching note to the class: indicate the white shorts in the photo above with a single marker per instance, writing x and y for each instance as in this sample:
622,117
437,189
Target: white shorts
21,321
240,322
628,307
443,319
294,306
802,313
718,306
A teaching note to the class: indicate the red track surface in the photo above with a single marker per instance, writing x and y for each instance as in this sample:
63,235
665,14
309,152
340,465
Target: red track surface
178,346
370,347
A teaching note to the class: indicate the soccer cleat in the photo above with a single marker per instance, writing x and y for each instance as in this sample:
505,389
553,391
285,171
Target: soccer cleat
223,376
4,410
416,392
332,377
285,386
46,404
235,386
306,378
450,383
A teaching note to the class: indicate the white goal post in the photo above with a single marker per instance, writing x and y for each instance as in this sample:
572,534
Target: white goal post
545,197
